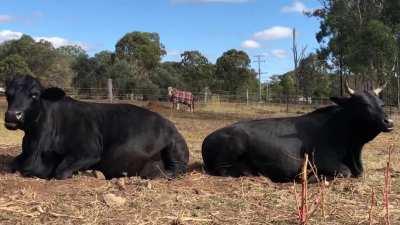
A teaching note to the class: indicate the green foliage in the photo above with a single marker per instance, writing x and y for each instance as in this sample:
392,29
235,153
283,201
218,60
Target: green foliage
141,48
168,74
197,72
85,76
59,73
13,64
359,37
71,51
287,84
135,64
41,59
313,77
233,72
122,73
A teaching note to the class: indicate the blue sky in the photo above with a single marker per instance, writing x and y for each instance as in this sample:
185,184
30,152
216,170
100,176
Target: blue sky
210,26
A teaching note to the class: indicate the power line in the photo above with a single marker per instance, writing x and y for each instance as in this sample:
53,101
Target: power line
259,61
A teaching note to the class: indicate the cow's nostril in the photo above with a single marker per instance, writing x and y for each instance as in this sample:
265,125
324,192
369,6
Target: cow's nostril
388,121
13,116
18,115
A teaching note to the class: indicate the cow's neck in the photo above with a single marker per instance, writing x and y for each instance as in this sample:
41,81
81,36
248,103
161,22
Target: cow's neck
346,131
347,128
40,120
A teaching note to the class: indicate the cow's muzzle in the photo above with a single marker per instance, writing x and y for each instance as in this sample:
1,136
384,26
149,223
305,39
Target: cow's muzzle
13,119
388,125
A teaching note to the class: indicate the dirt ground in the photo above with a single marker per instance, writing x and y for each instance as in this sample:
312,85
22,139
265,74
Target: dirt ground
196,198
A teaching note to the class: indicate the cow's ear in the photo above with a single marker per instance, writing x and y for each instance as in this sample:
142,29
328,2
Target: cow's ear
339,100
53,94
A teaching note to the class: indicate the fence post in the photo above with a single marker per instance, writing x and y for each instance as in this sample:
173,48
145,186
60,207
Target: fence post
110,90
205,95
247,96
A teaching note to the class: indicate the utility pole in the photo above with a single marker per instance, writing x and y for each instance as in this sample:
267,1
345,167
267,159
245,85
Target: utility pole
259,61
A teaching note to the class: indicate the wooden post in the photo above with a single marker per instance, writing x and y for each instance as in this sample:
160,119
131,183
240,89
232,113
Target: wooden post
110,90
247,96
205,95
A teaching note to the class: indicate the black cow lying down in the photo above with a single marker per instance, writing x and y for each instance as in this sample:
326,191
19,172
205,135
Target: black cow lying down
332,136
63,135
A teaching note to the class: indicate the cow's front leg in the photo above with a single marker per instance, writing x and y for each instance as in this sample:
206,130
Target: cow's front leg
71,164
16,163
340,170
34,166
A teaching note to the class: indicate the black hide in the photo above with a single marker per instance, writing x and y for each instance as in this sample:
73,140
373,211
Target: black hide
63,136
332,136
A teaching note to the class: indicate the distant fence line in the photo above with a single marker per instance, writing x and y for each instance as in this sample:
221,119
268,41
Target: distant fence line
202,98
246,98
221,96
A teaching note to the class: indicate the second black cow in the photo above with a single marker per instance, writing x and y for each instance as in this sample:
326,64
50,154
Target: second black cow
63,136
332,136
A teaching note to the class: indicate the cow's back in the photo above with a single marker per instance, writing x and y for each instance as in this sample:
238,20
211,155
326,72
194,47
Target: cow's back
273,147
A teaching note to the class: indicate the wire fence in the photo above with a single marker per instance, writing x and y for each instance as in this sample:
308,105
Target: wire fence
288,103
292,104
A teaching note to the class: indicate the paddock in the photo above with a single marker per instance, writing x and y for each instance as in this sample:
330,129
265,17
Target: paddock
197,198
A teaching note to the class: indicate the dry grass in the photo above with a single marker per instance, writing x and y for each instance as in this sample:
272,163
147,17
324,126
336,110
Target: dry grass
7,138
195,198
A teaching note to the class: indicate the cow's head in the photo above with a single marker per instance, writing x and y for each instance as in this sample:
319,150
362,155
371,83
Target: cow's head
24,96
366,107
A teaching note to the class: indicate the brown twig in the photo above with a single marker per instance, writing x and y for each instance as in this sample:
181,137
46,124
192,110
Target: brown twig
320,200
322,191
297,200
304,194
387,187
64,215
13,210
184,219
372,206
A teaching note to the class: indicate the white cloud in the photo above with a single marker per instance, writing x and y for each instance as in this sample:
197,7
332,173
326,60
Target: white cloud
59,41
279,53
296,6
7,35
273,33
208,1
6,18
250,44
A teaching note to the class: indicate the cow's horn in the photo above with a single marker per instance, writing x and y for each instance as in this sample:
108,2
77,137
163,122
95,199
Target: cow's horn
349,90
379,89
